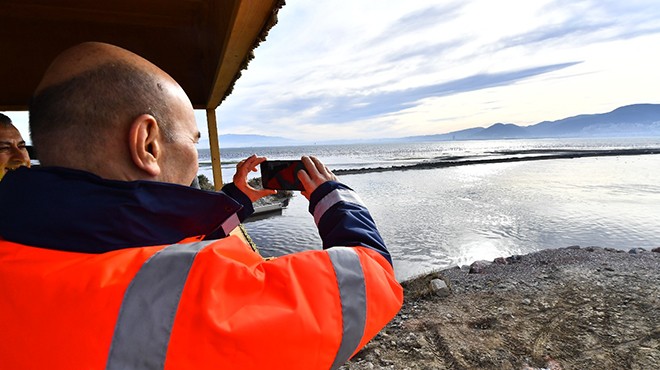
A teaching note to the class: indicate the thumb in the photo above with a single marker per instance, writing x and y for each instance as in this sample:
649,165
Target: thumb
266,192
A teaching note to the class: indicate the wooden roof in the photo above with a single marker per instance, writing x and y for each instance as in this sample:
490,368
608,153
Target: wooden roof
203,44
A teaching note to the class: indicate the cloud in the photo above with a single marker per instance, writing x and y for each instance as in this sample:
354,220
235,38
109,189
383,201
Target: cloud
587,22
341,109
570,31
420,20
432,51
330,65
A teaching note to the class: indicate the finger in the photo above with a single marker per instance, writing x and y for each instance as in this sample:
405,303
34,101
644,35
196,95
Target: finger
317,162
308,184
310,166
257,161
304,178
324,171
249,160
254,163
320,167
250,164
266,192
331,175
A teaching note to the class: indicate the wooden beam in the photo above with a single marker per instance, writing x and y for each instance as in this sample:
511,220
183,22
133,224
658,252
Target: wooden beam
216,165
249,23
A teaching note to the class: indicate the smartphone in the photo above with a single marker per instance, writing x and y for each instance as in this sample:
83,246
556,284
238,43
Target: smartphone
281,175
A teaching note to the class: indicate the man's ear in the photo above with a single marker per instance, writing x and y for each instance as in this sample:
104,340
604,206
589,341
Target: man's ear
144,145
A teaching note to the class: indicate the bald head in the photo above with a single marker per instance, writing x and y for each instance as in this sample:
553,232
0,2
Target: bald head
89,56
83,108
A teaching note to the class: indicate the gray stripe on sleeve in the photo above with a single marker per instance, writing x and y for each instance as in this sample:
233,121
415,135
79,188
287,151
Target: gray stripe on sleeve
353,296
334,197
230,224
146,316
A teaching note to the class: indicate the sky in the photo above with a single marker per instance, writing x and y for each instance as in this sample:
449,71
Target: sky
334,70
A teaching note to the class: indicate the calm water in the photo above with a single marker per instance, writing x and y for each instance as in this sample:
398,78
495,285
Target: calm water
444,217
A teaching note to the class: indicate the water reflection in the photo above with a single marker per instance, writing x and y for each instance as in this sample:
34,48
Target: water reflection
446,217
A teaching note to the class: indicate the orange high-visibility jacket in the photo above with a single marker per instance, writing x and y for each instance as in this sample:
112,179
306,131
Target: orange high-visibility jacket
203,305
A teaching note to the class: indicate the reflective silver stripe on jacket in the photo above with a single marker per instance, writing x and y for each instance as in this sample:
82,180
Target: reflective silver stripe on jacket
334,197
230,224
146,316
353,296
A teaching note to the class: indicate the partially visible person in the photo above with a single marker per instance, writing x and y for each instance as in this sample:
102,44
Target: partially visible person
110,260
13,152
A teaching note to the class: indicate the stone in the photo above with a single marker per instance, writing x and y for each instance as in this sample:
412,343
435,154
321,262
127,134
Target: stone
500,261
516,258
636,250
478,267
440,288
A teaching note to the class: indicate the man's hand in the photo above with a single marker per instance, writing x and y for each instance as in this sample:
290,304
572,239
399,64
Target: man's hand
243,168
315,174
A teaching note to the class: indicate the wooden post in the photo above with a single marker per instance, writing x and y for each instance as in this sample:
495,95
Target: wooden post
216,164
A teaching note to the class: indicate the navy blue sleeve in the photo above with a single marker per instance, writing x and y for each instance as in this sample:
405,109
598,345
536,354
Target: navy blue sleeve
343,219
246,210
232,191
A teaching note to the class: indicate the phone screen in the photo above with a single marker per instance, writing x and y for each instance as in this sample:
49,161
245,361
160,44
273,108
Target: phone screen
281,175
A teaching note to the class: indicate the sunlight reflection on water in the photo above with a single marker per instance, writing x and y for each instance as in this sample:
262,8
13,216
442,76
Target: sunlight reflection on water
439,218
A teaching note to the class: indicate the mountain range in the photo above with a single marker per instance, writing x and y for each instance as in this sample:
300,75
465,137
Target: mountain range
629,120
626,121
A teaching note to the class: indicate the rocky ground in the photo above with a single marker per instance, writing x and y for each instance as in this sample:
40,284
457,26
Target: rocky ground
571,308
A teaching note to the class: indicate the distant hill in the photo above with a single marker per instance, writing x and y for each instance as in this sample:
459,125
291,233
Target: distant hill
626,121
501,130
456,135
638,119
630,120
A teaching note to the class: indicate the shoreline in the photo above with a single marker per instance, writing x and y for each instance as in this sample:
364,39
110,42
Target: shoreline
531,155
567,308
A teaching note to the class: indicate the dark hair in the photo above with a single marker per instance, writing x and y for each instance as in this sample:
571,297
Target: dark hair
83,110
4,120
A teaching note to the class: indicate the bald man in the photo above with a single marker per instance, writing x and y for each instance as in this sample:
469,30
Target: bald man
108,259
13,152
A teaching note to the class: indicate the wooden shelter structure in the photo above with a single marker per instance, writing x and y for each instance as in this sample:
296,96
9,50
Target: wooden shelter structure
203,44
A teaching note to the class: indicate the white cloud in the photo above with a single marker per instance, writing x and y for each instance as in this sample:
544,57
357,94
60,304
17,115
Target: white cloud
341,68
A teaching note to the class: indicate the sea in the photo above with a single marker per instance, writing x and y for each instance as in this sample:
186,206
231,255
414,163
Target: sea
482,207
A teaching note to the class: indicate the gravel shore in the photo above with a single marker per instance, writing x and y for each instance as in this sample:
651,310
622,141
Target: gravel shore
570,308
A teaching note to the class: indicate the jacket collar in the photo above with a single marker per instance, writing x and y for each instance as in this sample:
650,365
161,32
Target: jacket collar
73,210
